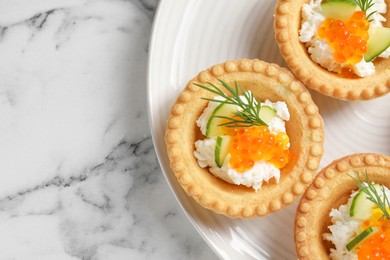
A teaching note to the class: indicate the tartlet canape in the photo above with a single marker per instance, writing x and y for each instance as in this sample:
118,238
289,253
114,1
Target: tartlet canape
304,128
333,197
299,53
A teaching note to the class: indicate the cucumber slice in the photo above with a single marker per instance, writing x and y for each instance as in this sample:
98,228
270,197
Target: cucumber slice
221,149
266,114
339,9
213,124
378,41
361,206
214,127
366,233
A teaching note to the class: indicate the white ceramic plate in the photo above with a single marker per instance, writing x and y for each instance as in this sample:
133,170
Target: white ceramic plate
191,35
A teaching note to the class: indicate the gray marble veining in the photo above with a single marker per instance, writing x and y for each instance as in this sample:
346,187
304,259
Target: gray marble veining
79,178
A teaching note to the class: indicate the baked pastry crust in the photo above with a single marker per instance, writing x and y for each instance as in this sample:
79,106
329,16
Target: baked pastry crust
305,130
287,24
332,188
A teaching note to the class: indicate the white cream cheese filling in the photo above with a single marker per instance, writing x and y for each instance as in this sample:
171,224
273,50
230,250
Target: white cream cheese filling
344,229
320,52
261,171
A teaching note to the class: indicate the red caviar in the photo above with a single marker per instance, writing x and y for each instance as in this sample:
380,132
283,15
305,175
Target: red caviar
348,39
258,143
376,246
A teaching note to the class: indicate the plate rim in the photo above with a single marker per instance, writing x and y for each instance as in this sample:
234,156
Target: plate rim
152,127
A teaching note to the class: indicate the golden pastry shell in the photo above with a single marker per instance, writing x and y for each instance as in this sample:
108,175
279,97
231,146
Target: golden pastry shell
287,24
305,130
332,188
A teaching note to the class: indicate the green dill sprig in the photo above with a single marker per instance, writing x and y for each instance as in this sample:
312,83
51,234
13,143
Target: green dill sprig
372,195
364,6
250,113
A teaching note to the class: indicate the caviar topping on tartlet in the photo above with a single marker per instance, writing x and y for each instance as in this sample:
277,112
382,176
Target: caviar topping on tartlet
361,228
246,141
344,213
256,81
339,48
345,36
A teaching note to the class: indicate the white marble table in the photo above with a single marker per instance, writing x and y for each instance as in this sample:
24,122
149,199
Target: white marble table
79,178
